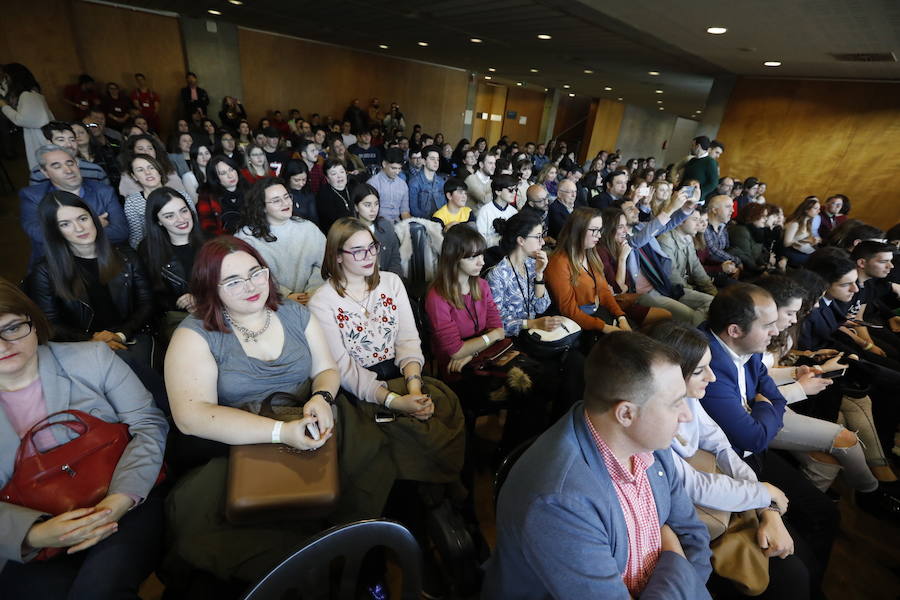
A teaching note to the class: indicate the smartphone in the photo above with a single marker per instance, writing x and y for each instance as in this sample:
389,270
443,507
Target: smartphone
688,190
384,416
832,374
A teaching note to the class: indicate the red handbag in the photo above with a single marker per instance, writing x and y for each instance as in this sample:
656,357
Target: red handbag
73,475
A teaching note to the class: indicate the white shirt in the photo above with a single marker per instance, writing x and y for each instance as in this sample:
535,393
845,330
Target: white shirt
736,487
485,221
739,362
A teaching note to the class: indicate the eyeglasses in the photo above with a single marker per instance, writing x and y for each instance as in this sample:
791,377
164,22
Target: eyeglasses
16,331
236,285
594,231
281,200
362,253
537,237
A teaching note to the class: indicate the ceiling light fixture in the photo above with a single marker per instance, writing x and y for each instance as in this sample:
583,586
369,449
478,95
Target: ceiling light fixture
534,70
652,72
475,40
607,88
661,108
383,46
492,69
488,77
659,91
214,12
423,44
772,63
519,83
588,72
571,95
716,30
659,101
544,36
567,86
619,99
235,2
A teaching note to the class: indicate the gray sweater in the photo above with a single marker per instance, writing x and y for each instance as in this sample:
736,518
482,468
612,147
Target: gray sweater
295,257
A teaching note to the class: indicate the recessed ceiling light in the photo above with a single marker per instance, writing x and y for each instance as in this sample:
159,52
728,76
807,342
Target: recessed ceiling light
699,112
772,63
519,83
588,72
545,89
383,46
488,77
492,69
534,70
423,44
619,99
659,101
716,30
608,89
659,91
661,108
652,72
567,86
235,2
544,36
214,12
475,40
571,95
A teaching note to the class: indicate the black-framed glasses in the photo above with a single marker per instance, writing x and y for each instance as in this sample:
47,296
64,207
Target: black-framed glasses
595,231
16,331
362,253
536,236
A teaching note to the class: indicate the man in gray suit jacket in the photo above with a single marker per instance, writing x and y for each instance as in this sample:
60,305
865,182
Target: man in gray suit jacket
595,508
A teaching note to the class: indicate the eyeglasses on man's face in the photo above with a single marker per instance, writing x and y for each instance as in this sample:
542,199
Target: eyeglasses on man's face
235,285
363,253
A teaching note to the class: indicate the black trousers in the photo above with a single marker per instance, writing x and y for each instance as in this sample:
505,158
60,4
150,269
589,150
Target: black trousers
811,514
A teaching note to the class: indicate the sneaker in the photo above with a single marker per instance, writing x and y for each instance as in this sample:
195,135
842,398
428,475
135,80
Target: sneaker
883,503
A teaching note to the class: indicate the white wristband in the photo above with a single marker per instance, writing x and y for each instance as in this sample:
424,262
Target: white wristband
390,398
487,340
276,432
524,323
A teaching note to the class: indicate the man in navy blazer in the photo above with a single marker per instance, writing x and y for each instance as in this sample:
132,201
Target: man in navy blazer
746,403
562,530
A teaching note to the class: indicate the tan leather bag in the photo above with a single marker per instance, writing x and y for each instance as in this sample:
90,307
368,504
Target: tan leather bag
736,553
274,481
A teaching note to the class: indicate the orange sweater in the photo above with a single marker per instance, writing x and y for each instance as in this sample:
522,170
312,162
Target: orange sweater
586,291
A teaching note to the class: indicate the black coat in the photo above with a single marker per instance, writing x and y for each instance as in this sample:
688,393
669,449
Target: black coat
70,320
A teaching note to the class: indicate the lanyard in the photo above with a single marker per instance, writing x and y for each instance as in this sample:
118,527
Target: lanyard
474,319
590,271
528,299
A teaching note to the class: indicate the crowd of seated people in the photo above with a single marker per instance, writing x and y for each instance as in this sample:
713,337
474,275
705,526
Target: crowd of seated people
687,364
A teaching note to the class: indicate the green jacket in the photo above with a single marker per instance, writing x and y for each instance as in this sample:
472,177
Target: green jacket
753,254
706,171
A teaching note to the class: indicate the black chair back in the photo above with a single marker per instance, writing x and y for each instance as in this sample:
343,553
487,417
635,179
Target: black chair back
306,572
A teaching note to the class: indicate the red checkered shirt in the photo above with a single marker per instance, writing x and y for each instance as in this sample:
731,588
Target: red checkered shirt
639,507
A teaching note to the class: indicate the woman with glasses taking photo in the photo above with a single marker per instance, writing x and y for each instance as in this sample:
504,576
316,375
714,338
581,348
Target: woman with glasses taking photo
291,246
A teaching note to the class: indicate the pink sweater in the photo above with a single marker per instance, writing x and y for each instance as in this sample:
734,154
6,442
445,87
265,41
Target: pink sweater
452,326
357,341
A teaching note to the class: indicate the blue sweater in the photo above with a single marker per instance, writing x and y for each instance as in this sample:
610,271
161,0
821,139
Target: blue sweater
747,431
561,532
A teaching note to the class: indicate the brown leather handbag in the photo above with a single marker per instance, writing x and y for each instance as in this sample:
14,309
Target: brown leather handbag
73,475
274,481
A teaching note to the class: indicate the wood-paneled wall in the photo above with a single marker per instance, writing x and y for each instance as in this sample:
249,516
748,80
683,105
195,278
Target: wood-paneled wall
604,130
817,137
284,73
526,103
490,99
59,39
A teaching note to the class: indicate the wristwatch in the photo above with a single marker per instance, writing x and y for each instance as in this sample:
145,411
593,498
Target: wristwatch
326,395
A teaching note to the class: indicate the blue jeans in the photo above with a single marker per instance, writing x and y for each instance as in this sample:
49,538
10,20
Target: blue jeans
111,570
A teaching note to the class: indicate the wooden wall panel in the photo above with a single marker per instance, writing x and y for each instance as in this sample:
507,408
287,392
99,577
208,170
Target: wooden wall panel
134,42
39,34
526,103
817,137
279,72
604,131
571,116
490,99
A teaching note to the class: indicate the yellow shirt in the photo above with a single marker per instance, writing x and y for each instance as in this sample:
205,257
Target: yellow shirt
448,218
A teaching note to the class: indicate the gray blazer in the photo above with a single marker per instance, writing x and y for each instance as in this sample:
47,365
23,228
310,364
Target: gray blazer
87,376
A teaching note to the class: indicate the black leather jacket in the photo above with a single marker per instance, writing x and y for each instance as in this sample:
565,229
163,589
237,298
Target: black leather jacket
70,320
174,279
